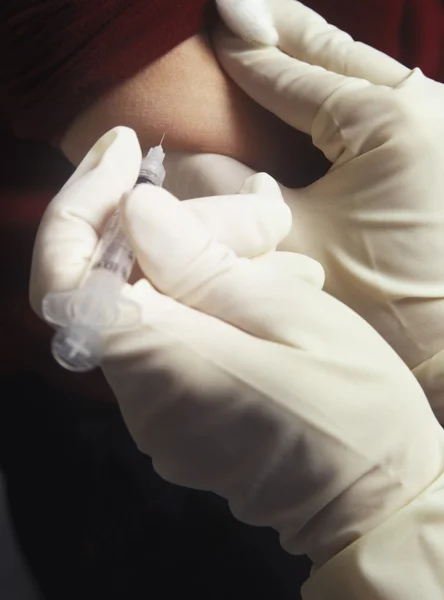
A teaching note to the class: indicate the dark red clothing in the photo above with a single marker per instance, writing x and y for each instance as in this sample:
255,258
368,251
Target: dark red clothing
57,56
409,30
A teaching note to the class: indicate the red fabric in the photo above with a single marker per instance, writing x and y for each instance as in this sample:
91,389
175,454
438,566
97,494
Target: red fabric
409,30
412,31
60,55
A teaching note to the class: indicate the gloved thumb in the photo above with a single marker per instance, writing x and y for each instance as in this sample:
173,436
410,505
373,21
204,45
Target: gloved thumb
71,225
253,222
179,254
261,184
175,250
297,265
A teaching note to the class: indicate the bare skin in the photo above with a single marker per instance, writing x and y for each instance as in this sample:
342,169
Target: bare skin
186,95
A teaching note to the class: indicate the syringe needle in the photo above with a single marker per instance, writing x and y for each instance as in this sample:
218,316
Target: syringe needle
163,137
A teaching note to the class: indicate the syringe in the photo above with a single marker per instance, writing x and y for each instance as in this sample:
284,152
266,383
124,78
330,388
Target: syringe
83,315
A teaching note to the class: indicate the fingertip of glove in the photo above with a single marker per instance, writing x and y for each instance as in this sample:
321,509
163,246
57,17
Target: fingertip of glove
117,145
118,136
261,184
267,188
249,19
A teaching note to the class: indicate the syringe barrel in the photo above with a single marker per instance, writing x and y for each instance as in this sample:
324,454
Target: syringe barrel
98,304
113,253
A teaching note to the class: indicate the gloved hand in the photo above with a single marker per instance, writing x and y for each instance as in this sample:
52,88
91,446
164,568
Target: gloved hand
244,379
376,220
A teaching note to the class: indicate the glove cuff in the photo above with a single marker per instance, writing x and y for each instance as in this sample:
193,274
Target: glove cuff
402,558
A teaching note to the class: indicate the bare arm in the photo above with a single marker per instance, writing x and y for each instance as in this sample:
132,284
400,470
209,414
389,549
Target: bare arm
186,95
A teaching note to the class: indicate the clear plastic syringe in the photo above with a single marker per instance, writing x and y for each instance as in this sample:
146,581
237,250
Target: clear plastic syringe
83,315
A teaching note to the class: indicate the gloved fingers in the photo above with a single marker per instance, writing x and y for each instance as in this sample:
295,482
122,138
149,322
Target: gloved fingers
68,233
294,265
194,175
251,223
183,260
198,395
250,19
169,236
293,90
191,420
303,34
173,248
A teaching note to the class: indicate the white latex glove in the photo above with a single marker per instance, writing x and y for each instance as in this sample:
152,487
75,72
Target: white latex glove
244,379
376,220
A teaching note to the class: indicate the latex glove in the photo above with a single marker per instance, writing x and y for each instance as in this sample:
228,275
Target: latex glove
244,379
252,222
376,220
